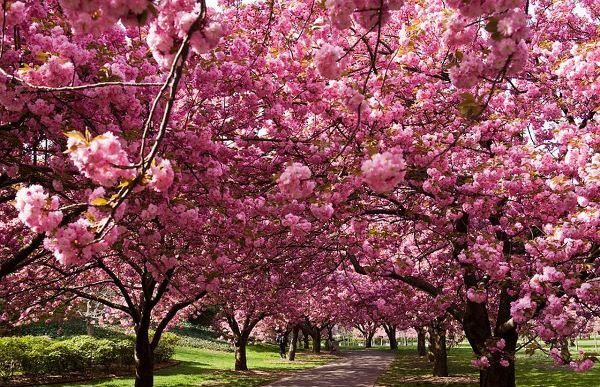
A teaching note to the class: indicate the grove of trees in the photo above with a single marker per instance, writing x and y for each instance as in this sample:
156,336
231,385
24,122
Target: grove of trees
303,164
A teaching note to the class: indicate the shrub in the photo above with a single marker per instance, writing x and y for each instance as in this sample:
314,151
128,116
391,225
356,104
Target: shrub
36,355
166,347
34,359
11,354
212,345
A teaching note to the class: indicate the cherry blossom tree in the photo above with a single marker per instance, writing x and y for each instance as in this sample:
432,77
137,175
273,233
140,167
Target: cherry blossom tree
450,146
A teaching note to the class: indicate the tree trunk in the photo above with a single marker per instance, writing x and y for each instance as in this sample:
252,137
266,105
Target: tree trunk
144,357
438,350
478,331
476,322
89,328
369,340
293,343
317,340
241,363
498,376
391,334
305,338
421,348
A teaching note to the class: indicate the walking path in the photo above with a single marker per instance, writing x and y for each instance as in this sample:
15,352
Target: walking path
354,369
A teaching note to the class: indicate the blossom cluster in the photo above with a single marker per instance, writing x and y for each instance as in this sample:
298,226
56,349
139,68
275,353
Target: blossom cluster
327,60
37,210
74,244
173,24
102,159
295,182
162,175
95,16
71,244
367,13
384,171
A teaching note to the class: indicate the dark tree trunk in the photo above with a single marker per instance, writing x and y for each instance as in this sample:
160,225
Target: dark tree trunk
390,331
316,336
293,343
421,348
478,331
437,348
305,338
241,363
144,356
369,340
89,328
498,376
476,322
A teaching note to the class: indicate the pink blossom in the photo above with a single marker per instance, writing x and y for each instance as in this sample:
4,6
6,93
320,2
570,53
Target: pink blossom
522,308
327,61
467,73
481,363
500,344
295,181
162,175
102,159
174,22
582,366
477,295
37,210
323,212
340,12
298,226
384,171
72,244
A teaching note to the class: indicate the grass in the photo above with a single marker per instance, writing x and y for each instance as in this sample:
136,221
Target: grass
202,367
408,370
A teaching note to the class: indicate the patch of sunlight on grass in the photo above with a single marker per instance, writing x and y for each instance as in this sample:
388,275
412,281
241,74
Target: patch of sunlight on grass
201,367
408,370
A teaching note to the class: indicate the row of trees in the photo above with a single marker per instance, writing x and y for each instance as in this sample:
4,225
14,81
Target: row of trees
435,161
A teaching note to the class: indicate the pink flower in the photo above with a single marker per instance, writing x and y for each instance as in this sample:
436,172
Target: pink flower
504,363
481,363
173,23
467,73
295,181
500,344
101,159
37,210
71,244
162,175
582,365
323,213
340,12
384,171
522,308
478,296
327,61
74,244
298,226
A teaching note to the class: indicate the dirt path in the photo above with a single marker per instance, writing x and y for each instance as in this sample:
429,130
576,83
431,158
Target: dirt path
354,369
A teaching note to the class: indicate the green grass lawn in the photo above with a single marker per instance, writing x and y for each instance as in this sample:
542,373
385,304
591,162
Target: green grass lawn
201,367
408,370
